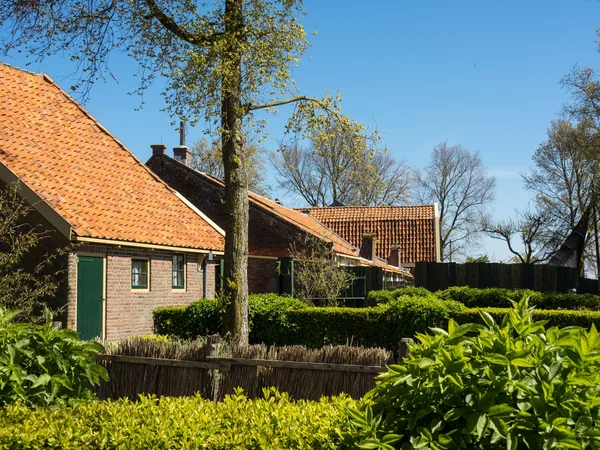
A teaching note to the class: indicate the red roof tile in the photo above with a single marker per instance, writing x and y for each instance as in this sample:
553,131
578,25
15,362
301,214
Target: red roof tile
85,174
410,227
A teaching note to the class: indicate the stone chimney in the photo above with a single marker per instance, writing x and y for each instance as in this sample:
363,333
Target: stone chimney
394,258
183,154
367,249
158,149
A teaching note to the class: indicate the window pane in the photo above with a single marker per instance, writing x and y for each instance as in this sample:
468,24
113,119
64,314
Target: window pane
139,273
178,271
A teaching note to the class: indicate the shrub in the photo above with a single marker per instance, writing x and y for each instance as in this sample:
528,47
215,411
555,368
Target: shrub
501,298
42,365
379,297
268,318
509,385
274,422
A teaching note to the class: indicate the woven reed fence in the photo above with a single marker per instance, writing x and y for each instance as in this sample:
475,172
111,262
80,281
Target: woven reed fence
141,366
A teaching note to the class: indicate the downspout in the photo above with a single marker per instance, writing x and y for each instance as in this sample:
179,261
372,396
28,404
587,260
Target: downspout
205,274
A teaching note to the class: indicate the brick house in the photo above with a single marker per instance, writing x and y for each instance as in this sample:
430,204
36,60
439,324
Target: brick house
134,243
273,228
405,234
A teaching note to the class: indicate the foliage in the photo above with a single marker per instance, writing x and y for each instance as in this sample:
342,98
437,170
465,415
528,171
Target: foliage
27,280
206,157
274,422
221,61
509,385
496,297
458,181
267,317
477,259
286,321
328,170
44,366
319,278
383,296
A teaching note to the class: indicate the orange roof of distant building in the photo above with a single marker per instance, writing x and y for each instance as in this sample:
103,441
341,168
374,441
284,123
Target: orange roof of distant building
57,149
412,228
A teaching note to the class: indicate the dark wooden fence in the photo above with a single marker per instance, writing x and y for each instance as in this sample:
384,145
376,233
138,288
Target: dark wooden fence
138,366
542,278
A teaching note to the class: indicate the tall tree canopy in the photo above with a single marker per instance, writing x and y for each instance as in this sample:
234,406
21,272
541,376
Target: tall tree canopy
206,157
221,61
458,181
333,168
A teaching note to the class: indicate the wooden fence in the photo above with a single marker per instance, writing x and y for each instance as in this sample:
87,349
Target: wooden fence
539,277
138,366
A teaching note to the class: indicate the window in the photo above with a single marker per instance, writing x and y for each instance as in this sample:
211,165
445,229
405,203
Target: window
139,274
178,272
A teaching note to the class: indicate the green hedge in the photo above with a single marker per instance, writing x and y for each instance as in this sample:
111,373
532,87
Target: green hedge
266,315
182,423
493,297
285,321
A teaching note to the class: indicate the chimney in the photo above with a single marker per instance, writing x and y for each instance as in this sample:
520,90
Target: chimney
158,149
183,154
367,250
394,258
279,202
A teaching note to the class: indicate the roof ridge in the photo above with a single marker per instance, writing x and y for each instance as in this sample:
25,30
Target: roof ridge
261,202
367,206
37,74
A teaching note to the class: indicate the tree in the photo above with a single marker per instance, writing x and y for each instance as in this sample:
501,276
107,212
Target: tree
458,181
319,277
206,158
564,180
478,259
222,61
329,171
528,228
28,276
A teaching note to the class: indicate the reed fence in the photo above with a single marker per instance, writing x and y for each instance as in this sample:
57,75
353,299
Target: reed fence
147,366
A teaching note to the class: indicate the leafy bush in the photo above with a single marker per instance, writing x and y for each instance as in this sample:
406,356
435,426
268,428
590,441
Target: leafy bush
285,321
379,297
501,298
42,365
266,315
274,422
509,385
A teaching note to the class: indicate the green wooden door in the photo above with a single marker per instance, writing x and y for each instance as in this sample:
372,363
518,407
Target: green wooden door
90,294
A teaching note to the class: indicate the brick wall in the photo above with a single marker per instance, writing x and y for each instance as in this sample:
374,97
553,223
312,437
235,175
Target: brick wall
128,312
262,276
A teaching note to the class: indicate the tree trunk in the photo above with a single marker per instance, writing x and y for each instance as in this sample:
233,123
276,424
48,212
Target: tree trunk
235,325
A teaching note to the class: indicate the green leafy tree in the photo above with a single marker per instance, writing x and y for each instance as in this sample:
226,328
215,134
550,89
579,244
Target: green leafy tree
222,61
503,385
28,275
206,157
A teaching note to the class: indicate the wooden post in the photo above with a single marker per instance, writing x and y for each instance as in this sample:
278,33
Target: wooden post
212,350
403,348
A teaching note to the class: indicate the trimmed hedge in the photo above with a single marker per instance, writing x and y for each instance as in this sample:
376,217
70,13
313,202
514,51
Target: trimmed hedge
266,315
493,297
285,321
275,422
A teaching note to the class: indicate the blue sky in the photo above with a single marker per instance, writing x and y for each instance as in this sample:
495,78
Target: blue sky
481,73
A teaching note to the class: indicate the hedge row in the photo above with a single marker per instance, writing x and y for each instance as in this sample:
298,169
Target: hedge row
183,423
494,297
284,321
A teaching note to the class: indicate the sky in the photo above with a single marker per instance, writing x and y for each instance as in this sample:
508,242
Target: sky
480,73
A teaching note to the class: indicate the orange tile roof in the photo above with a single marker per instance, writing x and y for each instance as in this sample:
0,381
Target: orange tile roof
85,174
303,221
410,227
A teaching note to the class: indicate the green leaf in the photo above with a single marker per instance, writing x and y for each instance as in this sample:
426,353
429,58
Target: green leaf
501,410
521,362
41,380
